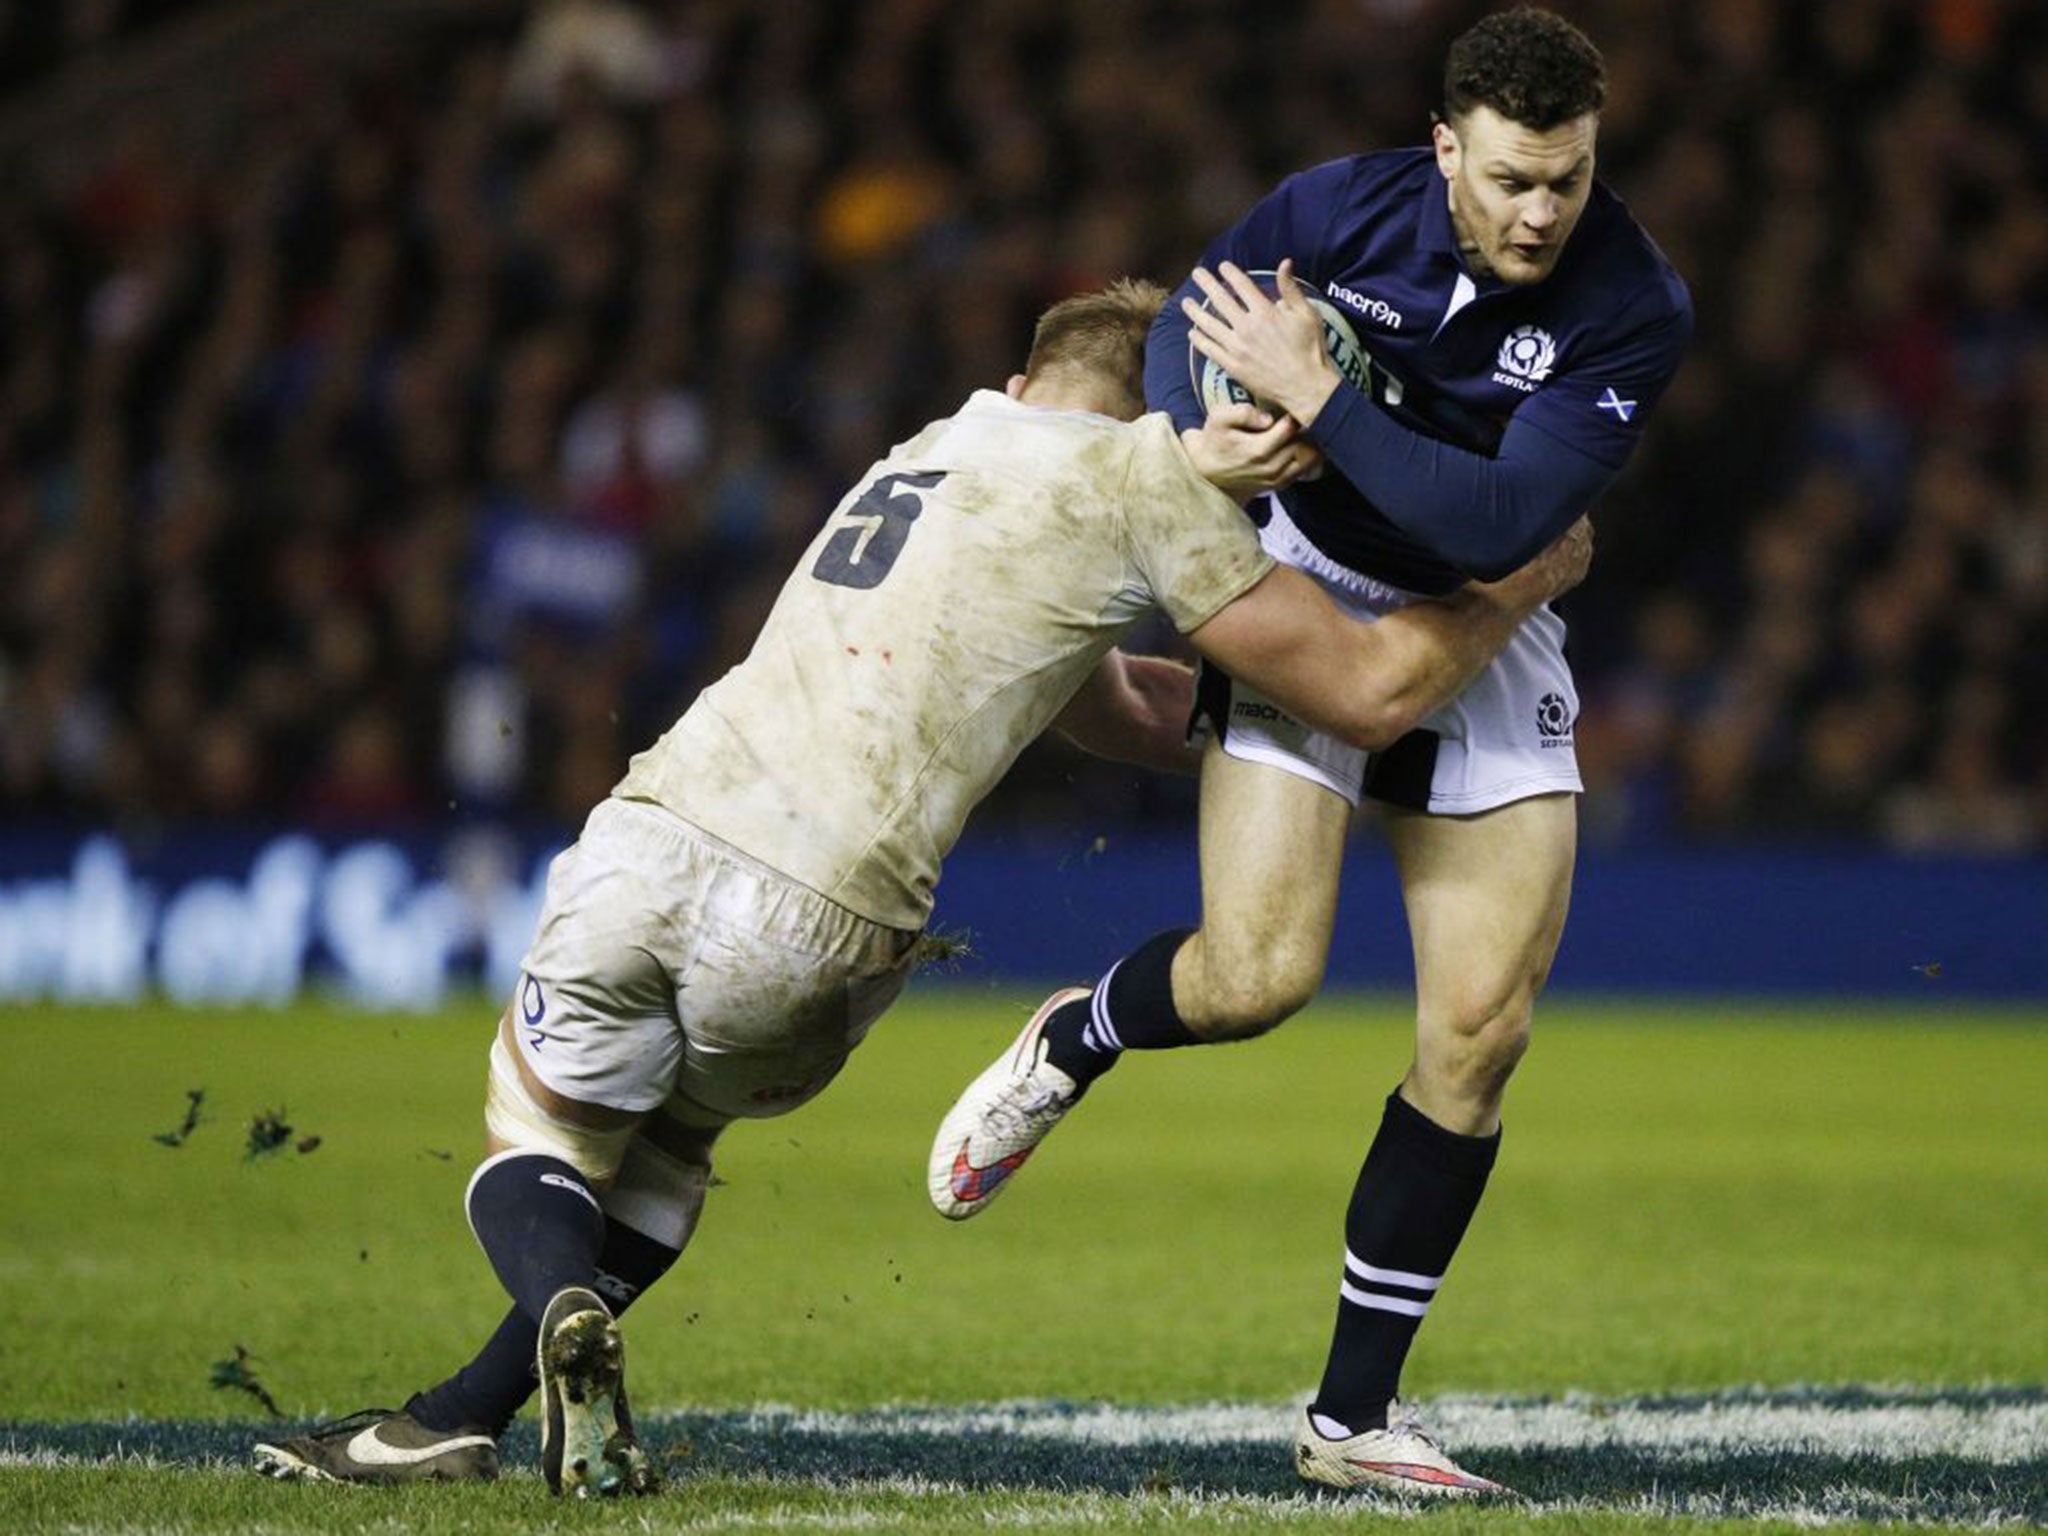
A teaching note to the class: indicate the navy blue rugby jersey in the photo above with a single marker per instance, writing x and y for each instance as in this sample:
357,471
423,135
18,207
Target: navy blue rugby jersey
1498,414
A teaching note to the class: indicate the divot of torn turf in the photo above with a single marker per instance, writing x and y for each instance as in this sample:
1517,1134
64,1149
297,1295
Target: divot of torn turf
1811,1457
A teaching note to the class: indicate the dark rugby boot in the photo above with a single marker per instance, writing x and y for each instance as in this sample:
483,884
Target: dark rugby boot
587,1444
381,1445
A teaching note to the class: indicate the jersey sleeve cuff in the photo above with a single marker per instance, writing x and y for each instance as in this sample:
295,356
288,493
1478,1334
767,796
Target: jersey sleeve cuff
1331,419
1260,569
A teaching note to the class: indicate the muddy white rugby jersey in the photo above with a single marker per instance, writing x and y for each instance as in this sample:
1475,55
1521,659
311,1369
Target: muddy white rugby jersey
949,609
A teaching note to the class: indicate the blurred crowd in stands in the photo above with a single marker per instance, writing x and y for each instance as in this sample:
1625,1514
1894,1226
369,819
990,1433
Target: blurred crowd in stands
425,434
36,38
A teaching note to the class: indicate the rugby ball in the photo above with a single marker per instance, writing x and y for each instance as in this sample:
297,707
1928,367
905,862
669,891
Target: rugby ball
1217,388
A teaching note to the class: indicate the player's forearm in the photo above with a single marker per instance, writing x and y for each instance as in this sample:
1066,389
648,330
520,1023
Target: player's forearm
1412,662
1485,516
1367,683
1135,709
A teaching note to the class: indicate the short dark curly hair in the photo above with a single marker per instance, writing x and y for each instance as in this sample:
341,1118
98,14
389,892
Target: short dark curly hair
1530,65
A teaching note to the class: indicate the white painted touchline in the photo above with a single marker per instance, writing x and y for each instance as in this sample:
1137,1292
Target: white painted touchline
1997,1433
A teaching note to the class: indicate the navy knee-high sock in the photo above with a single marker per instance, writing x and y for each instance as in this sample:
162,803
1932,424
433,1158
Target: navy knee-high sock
1414,1198
539,1223
494,1386
1129,1009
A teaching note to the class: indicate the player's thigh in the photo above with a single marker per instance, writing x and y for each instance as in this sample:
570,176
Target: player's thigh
1272,852
594,1017
1486,897
523,1114
589,1043
596,1116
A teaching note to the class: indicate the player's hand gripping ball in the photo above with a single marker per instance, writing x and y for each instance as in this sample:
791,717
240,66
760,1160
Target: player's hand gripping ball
1217,387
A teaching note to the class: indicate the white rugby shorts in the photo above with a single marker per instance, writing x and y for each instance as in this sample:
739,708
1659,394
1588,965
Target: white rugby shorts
671,971
1507,737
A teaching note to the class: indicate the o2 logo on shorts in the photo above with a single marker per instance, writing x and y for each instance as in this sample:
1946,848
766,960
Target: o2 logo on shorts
532,1005
1554,720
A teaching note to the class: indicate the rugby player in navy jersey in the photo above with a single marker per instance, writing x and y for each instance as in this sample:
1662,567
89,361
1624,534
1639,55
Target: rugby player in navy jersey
1519,328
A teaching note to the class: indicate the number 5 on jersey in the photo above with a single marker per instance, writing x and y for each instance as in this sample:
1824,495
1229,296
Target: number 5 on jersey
872,531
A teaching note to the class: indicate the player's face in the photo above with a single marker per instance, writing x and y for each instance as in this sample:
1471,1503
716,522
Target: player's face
1516,193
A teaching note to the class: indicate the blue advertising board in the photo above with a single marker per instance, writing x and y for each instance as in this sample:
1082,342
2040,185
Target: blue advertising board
400,922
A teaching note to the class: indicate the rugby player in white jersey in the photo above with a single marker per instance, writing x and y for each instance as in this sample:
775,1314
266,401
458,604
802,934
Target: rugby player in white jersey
748,901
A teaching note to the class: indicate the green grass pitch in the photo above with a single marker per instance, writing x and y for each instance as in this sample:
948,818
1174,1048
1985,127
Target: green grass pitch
1692,1199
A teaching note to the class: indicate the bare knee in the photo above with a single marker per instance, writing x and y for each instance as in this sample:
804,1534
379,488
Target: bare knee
1467,1048
1229,991
1486,1052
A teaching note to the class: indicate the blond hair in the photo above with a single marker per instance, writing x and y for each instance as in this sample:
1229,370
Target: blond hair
1100,333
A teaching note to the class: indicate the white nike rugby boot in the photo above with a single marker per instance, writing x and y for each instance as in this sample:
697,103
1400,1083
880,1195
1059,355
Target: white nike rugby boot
587,1443
1000,1120
381,1445
1403,1458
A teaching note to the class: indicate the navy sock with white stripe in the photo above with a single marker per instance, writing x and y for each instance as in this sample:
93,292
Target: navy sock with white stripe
1414,1198
1130,1009
540,1225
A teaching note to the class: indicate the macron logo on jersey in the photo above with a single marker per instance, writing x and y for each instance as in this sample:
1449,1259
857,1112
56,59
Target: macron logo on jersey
1379,311
1526,358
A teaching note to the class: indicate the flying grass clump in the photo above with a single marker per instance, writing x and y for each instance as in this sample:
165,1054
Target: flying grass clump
238,1374
194,1098
270,1132
944,949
